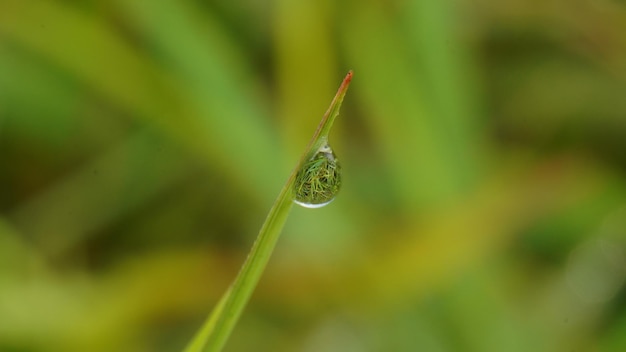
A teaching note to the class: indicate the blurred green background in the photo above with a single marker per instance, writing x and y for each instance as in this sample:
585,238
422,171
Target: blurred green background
483,145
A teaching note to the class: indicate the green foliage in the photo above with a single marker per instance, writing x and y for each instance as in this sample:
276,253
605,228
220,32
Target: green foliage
483,173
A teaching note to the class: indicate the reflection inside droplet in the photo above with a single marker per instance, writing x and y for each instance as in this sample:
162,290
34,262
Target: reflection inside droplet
319,179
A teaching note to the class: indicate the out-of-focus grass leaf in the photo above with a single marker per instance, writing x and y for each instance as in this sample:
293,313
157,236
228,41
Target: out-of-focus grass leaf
76,311
421,121
106,189
219,82
193,108
397,114
38,102
445,77
303,39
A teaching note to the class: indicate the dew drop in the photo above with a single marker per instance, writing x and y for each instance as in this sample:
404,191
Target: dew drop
319,179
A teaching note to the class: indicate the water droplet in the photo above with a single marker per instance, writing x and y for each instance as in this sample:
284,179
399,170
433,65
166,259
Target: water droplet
319,179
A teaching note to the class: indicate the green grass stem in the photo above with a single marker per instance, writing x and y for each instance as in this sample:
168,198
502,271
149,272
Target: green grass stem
217,328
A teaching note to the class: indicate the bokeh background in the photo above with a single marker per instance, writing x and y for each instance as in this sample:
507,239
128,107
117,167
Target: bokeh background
483,145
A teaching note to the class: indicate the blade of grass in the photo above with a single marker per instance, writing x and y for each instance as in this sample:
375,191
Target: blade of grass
215,331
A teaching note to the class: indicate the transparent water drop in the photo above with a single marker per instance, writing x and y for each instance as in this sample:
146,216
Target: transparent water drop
319,179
